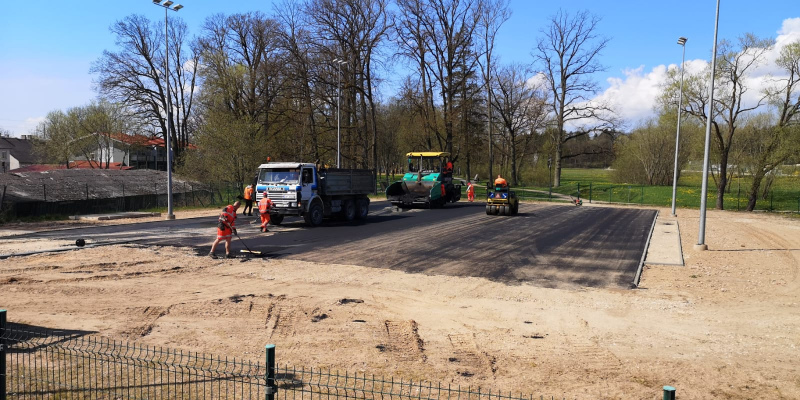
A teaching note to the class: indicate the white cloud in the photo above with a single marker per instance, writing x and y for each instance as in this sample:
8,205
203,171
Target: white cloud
634,95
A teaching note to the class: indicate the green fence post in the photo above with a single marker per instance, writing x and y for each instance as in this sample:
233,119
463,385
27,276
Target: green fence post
550,192
641,201
579,190
738,194
3,373
272,388
771,196
669,393
610,192
629,194
590,192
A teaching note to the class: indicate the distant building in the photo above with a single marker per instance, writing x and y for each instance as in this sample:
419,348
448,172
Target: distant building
15,153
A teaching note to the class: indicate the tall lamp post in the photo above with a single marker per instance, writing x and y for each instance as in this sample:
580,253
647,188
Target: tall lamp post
168,5
682,42
338,96
701,237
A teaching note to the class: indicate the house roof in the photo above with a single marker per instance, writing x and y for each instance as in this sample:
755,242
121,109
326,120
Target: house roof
139,140
20,149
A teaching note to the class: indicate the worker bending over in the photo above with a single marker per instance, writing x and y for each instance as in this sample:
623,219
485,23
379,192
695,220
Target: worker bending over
226,227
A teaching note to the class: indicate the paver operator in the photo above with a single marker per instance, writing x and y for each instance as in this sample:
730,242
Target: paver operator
263,210
470,192
226,227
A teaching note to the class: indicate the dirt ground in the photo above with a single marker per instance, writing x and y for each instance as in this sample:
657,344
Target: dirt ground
726,325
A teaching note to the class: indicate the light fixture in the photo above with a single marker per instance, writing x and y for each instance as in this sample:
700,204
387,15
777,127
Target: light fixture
682,40
177,7
168,3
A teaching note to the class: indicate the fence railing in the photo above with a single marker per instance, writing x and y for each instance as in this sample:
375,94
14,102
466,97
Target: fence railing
42,363
101,199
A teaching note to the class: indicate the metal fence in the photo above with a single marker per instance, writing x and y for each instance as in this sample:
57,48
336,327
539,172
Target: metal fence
49,364
98,199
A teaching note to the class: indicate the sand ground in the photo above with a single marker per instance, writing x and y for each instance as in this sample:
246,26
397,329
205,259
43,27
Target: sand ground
725,325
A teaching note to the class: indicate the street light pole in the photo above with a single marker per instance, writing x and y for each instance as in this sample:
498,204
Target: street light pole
168,5
701,237
682,42
338,118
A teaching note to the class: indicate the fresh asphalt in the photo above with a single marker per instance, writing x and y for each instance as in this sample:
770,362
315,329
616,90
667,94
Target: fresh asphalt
545,244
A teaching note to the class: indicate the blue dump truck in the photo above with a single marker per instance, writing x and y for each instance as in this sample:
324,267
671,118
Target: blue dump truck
428,182
301,189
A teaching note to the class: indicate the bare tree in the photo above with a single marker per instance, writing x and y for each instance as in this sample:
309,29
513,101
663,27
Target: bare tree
135,76
771,144
438,35
521,108
568,53
493,14
730,107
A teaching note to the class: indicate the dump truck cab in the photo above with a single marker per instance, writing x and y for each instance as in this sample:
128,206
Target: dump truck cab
428,182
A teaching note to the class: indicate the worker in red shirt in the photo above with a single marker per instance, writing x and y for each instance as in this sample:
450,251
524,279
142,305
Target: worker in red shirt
263,210
470,192
226,227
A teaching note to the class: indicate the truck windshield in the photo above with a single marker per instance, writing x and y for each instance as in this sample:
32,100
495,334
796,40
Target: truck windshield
282,175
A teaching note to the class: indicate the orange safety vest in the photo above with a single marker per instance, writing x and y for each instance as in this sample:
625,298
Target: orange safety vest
228,217
264,205
248,193
470,188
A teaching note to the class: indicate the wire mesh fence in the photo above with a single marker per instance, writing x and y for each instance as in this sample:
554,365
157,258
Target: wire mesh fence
51,364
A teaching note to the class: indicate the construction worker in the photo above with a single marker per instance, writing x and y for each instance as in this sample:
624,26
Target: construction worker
226,227
249,196
263,210
500,182
470,192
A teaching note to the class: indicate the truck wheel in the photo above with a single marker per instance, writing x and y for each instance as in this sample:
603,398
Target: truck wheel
275,219
495,210
488,210
362,208
349,210
314,215
504,210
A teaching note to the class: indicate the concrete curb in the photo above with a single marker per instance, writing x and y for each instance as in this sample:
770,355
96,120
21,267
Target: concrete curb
644,253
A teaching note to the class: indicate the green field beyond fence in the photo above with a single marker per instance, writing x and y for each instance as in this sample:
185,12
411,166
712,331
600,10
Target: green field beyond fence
595,186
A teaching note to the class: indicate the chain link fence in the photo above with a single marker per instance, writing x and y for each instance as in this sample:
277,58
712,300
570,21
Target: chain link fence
51,364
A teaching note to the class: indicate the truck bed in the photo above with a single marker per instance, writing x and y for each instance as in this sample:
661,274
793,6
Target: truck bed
340,181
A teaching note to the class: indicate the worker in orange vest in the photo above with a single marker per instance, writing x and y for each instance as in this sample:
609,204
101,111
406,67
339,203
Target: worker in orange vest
470,192
500,181
249,196
226,226
263,210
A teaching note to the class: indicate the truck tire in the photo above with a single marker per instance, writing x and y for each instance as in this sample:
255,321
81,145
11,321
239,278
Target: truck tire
275,219
349,210
488,209
314,215
362,208
504,210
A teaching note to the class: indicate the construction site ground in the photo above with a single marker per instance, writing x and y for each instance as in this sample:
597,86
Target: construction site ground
723,325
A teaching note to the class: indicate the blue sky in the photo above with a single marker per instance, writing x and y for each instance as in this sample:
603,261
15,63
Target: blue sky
47,47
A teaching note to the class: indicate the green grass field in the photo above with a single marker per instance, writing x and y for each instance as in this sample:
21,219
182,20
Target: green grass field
596,185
